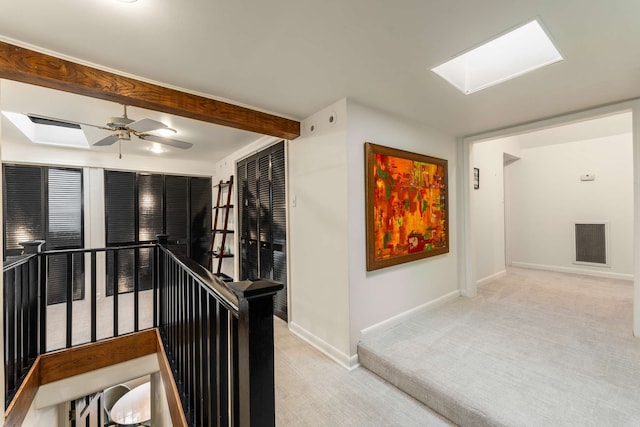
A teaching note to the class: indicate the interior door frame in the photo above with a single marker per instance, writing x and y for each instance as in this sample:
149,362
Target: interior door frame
467,281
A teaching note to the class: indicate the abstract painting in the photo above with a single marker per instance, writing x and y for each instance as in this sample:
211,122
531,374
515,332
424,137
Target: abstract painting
407,214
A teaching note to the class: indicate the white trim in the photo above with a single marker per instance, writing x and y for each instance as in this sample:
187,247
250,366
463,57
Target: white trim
491,278
349,362
387,324
570,270
466,260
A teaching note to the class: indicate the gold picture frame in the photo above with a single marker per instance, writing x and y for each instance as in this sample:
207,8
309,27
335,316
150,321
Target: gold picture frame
407,209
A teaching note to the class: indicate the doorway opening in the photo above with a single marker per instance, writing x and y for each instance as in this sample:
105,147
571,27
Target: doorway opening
537,185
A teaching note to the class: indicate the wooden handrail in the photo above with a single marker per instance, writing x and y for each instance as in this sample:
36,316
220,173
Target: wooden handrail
87,358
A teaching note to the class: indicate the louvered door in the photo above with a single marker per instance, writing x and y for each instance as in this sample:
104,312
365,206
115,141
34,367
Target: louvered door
262,219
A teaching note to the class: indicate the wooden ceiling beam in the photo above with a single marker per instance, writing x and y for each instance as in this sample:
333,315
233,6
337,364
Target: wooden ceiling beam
28,66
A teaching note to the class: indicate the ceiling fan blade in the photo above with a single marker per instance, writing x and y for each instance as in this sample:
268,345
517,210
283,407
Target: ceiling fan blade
146,125
111,139
53,121
167,141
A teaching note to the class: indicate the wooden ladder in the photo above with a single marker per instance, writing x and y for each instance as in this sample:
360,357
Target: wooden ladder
220,254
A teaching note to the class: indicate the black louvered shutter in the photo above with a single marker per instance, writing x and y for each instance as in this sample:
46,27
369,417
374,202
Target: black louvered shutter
177,210
279,227
64,231
23,206
265,215
150,207
251,204
150,223
43,203
200,193
120,212
243,218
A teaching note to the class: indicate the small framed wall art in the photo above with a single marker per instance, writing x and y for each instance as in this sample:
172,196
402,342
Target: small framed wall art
476,178
407,211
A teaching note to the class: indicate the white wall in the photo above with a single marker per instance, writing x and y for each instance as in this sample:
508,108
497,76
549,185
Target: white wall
331,296
319,235
380,295
548,196
488,208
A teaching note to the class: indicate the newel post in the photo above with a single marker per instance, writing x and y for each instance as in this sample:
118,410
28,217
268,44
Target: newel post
32,246
255,351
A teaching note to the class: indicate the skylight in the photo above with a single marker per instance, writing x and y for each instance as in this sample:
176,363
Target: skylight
517,52
50,132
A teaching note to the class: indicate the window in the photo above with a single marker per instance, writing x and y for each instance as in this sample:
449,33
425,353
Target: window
45,203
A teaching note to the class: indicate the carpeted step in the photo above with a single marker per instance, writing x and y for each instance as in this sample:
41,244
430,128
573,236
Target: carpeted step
532,349
431,394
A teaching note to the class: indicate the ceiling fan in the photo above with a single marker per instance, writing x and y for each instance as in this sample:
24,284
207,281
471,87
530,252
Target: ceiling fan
121,127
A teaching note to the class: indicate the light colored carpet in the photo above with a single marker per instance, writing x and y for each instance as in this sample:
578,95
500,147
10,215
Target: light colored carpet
81,330
312,390
532,349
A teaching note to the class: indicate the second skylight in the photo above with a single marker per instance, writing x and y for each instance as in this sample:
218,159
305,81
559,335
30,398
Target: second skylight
517,52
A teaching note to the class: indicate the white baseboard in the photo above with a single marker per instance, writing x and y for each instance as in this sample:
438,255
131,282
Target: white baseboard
393,321
491,277
349,362
584,271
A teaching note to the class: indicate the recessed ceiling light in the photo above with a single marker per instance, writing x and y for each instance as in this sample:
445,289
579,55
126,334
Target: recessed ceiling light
127,1
517,52
51,132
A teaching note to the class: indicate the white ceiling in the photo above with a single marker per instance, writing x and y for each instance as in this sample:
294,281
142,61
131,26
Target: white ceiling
293,57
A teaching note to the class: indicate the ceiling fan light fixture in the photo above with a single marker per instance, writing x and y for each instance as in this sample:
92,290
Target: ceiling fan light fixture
165,132
157,149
